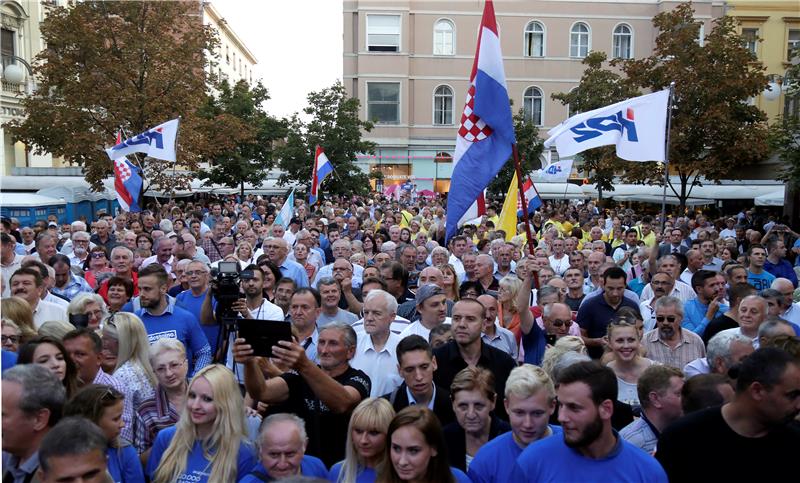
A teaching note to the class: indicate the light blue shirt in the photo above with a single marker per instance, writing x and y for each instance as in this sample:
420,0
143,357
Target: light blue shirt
295,271
694,315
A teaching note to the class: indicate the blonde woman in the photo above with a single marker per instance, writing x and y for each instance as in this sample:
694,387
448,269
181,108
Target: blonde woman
244,252
209,442
17,310
568,343
508,313
627,363
133,368
365,451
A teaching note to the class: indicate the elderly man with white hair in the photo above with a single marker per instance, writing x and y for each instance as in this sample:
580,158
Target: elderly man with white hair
785,287
277,250
724,350
341,248
74,227
376,351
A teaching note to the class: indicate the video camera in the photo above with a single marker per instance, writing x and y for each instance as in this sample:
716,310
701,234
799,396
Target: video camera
225,281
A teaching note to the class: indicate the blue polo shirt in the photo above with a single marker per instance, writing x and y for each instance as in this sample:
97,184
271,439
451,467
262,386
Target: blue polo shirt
187,300
177,323
198,468
551,460
495,461
309,466
594,315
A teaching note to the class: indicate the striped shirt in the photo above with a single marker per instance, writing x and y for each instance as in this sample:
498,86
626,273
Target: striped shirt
689,348
152,416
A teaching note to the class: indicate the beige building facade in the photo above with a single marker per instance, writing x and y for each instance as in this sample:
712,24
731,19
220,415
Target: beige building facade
408,62
234,60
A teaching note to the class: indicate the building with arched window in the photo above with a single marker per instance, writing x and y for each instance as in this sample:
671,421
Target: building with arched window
409,62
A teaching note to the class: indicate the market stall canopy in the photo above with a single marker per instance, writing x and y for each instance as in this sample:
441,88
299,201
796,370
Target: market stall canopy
776,198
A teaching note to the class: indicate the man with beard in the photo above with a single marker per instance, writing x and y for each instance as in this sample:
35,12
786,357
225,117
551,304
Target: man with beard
590,449
163,319
669,343
746,439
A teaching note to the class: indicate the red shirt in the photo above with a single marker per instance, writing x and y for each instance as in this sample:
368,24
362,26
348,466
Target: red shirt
103,290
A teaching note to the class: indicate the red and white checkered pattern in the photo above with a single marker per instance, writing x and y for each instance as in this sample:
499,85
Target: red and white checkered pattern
122,169
472,127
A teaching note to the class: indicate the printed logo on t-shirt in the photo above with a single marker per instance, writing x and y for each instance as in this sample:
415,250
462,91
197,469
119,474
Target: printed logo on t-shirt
167,334
195,477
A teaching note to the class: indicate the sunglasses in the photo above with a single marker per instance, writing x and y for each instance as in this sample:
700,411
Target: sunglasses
559,323
668,318
98,255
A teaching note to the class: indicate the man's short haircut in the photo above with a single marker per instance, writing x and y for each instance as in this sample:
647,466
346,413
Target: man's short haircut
765,366
325,281
59,258
601,380
700,277
526,380
41,389
73,436
374,280
701,392
37,276
753,247
772,294
614,273
388,299
771,326
669,301
312,291
272,419
439,330
631,230
97,342
547,291
476,303
122,248
6,239
350,337
413,343
739,291
288,280
38,266
42,238
155,270
656,378
399,272
719,346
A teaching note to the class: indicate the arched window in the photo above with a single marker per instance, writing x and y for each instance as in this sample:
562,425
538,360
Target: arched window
623,42
534,40
443,106
444,36
443,157
579,40
532,105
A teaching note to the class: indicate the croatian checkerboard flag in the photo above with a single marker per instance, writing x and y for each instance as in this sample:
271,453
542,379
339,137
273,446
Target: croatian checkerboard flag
531,196
127,184
158,142
322,168
486,134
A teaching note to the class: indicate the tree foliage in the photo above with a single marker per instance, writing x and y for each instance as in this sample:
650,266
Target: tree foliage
785,133
714,130
529,147
599,87
335,126
134,65
251,159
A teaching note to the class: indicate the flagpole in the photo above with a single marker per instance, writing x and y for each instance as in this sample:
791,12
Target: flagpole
518,168
666,158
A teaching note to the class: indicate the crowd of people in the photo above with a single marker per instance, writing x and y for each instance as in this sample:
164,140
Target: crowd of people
611,346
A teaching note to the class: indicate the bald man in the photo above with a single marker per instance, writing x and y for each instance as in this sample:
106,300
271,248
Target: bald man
785,287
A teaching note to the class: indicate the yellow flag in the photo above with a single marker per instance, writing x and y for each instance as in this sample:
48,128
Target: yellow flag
508,216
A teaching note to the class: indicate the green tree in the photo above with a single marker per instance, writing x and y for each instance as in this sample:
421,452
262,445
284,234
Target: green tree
529,147
785,133
251,159
599,87
714,130
133,65
335,126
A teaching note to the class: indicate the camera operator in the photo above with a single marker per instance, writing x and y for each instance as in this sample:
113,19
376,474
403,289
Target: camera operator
250,304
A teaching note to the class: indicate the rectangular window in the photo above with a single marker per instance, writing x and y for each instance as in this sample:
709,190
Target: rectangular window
750,40
7,46
793,44
383,102
383,33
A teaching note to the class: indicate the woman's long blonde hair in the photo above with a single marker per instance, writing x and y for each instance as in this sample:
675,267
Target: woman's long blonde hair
228,433
372,414
133,343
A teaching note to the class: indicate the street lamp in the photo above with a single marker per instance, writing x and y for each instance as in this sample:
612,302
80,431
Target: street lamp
14,74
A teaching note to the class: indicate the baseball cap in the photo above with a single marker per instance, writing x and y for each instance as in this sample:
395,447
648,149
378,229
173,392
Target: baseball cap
52,223
427,291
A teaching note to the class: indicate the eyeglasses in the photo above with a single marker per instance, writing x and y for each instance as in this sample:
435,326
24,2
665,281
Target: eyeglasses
173,366
192,273
79,241
668,318
559,323
14,339
98,255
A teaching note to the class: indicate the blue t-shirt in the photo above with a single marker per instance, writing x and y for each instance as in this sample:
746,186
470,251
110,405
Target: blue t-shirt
124,465
180,324
309,466
551,460
760,281
9,360
367,475
187,300
495,460
198,468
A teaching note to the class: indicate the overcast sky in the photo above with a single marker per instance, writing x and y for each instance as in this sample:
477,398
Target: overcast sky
298,45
